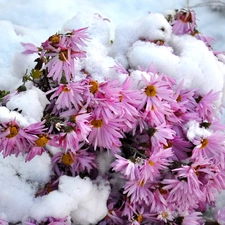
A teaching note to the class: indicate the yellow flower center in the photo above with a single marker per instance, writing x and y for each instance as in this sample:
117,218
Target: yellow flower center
63,55
151,163
140,218
141,183
121,97
179,98
65,89
204,143
94,86
150,90
97,123
68,158
54,39
13,131
41,141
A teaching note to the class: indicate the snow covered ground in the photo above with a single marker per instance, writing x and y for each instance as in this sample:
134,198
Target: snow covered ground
34,21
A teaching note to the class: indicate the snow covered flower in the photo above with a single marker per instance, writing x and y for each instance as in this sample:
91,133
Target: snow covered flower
184,22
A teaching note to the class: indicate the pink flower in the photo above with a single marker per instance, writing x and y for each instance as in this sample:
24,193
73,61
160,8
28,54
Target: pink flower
184,190
165,215
39,147
184,22
206,105
126,167
29,48
69,139
138,191
81,120
3,222
62,62
157,161
68,95
180,147
106,134
120,69
14,139
193,218
155,90
77,38
220,216
160,134
210,146
70,163
130,99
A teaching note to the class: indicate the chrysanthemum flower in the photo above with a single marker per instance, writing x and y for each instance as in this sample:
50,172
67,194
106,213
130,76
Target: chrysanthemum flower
155,90
160,134
106,135
69,138
77,39
29,48
207,104
138,191
184,22
69,163
62,63
126,167
220,216
184,190
38,148
209,146
130,99
68,95
158,114
14,139
180,148
157,161
81,120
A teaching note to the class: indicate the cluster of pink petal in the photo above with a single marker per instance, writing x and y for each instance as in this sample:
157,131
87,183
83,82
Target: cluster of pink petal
167,177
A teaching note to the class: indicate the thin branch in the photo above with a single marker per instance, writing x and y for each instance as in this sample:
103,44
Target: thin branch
216,3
